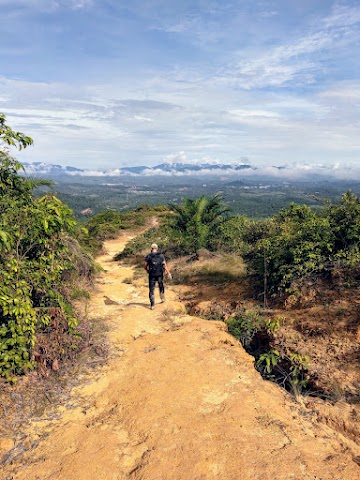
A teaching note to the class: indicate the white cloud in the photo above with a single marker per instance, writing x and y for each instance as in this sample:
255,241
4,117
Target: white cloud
85,129
297,62
179,157
80,4
28,3
342,15
344,91
46,5
143,119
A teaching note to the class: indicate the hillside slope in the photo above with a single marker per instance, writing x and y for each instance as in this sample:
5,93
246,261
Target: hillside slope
179,400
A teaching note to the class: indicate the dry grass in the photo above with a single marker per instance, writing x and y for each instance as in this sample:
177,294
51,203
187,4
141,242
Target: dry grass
172,317
216,270
128,280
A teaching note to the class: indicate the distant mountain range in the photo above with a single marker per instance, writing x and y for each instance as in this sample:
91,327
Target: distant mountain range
41,168
311,172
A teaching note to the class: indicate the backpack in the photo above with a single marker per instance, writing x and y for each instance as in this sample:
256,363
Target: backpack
155,262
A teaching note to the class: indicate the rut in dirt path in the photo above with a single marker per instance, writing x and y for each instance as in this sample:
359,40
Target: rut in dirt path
179,400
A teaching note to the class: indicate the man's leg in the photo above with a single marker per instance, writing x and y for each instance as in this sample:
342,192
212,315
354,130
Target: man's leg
152,281
161,288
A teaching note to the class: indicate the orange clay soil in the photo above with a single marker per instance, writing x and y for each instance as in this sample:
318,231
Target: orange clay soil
178,400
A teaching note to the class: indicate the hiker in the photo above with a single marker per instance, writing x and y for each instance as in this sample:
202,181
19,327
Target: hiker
155,265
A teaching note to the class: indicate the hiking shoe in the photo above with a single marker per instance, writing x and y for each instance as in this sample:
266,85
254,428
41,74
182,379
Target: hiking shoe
162,298
152,307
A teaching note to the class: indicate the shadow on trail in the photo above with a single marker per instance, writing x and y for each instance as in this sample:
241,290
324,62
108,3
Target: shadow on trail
136,304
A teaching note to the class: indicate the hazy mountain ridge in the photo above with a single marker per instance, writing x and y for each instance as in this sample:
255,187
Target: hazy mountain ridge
295,171
166,168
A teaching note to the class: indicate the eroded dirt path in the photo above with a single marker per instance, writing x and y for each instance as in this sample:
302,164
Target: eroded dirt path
179,400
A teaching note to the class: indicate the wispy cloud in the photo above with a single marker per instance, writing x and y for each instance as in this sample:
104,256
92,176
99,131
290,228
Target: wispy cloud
80,4
299,61
342,15
46,5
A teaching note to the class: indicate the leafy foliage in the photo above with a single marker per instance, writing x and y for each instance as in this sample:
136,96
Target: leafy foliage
35,257
108,223
256,334
197,221
300,243
9,137
245,326
344,218
100,227
136,248
229,236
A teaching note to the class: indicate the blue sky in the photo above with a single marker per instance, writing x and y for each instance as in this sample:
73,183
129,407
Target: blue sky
109,83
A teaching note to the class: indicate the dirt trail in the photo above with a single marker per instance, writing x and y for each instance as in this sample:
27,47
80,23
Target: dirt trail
178,400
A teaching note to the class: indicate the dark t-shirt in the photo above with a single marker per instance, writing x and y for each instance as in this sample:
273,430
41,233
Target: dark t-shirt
155,262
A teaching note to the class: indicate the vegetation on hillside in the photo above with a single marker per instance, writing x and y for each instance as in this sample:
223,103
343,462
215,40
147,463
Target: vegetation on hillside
41,264
255,198
108,223
295,246
184,228
300,245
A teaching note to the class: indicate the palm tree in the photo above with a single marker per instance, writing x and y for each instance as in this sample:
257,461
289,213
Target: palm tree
196,219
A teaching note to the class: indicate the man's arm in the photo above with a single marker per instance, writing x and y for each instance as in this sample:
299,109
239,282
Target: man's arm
146,264
167,271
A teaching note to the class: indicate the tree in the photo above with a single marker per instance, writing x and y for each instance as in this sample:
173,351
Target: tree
11,183
9,137
298,244
345,222
35,234
195,221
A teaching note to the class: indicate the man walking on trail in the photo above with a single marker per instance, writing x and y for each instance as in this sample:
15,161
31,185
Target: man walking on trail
155,265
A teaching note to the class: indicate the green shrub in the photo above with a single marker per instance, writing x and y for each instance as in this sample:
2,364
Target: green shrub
38,256
245,326
138,246
256,334
300,244
229,237
100,227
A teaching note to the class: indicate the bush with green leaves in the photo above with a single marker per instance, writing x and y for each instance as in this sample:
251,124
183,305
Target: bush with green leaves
256,333
229,236
108,223
344,218
100,227
37,258
245,326
136,247
300,244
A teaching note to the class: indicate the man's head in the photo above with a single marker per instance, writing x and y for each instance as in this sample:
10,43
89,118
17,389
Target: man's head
154,248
